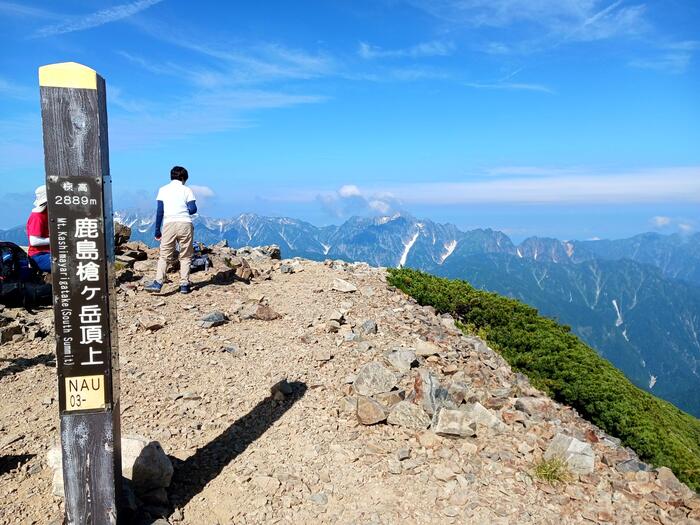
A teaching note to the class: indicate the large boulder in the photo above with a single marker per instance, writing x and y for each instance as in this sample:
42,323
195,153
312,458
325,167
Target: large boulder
143,462
576,454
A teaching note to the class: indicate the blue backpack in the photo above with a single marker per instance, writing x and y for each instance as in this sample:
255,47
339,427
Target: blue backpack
20,279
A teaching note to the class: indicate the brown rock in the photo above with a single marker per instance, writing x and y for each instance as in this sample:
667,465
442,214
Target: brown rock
265,313
369,411
667,479
591,436
389,399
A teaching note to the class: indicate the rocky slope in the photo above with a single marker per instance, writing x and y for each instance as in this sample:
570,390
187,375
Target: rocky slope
297,391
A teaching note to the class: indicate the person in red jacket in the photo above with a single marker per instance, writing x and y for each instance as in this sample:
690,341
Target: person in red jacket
38,232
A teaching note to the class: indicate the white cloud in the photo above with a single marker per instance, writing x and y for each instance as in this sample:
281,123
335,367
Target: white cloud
581,187
12,90
567,19
350,200
512,86
382,207
424,49
349,190
203,113
19,10
202,192
659,221
233,63
96,19
670,58
524,27
537,171
497,48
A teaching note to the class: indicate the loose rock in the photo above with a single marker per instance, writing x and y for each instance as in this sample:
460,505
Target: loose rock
454,423
408,415
340,285
578,455
369,411
374,378
212,319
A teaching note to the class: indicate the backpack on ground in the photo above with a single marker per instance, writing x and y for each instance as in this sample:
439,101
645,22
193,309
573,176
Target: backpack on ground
21,283
200,261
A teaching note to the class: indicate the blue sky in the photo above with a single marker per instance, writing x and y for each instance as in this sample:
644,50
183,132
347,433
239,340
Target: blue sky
570,118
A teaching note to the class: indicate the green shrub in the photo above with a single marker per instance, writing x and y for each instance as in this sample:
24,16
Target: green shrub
569,371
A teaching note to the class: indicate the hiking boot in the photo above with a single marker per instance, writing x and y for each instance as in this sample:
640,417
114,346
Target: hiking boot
154,287
184,288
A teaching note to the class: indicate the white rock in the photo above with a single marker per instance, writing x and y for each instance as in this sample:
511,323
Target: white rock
483,416
400,358
341,285
426,348
576,454
454,423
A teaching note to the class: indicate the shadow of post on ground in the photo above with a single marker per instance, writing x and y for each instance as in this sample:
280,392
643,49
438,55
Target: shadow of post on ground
194,473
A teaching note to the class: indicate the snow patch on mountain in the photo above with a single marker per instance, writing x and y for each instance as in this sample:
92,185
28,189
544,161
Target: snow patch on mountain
618,321
289,243
386,218
408,245
569,247
449,249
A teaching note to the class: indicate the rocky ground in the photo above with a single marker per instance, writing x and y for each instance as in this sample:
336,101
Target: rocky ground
303,392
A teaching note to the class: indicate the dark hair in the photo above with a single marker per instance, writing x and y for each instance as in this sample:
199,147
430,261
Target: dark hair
179,173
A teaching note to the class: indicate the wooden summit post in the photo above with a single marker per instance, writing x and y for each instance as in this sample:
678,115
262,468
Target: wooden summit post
78,183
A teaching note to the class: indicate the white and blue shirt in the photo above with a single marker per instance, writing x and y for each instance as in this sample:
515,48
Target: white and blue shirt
176,203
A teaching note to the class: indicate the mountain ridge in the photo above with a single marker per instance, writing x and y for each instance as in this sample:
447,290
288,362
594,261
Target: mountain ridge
635,300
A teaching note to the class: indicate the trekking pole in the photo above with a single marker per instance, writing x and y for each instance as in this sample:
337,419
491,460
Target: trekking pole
81,230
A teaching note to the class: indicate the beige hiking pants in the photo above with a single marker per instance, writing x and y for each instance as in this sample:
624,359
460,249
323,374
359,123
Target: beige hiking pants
176,233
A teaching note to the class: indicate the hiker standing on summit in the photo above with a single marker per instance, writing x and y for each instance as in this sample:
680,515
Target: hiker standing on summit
176,205
38,232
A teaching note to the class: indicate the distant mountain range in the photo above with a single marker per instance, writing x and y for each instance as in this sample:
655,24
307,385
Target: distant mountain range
636,300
